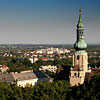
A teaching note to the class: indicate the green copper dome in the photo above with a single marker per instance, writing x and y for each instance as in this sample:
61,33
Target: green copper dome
80,45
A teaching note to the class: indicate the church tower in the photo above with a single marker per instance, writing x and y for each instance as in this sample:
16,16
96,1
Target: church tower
80,57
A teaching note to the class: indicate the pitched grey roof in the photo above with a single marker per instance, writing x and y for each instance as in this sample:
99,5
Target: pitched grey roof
6,78
40,74
24,76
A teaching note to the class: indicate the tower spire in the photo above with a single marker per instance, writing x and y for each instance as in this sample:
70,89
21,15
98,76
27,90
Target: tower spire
80,20
80,57
80,43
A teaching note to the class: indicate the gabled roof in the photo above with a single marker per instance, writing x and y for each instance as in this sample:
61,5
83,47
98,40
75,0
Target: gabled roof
40,74
6,78
24,76
4,66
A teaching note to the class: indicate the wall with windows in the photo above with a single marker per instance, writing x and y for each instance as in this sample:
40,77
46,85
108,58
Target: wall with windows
77,77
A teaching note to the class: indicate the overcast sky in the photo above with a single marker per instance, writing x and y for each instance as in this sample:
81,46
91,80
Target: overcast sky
48,21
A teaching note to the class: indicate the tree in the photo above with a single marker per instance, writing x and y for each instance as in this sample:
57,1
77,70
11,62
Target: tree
27,62
58,90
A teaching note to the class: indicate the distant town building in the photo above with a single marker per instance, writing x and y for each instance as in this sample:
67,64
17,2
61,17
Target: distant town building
49,68
3,68
39,51
49,52
44,58
33,59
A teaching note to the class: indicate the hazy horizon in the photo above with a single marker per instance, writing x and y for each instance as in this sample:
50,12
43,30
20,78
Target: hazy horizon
48,21
48,44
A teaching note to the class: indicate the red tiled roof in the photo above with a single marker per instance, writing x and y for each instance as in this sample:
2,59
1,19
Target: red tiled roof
76,68
43,58
49,54
39,54
3,66
34,54
95,70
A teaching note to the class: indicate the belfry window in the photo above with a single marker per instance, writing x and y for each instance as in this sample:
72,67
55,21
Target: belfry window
78,74
78,57
74,74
